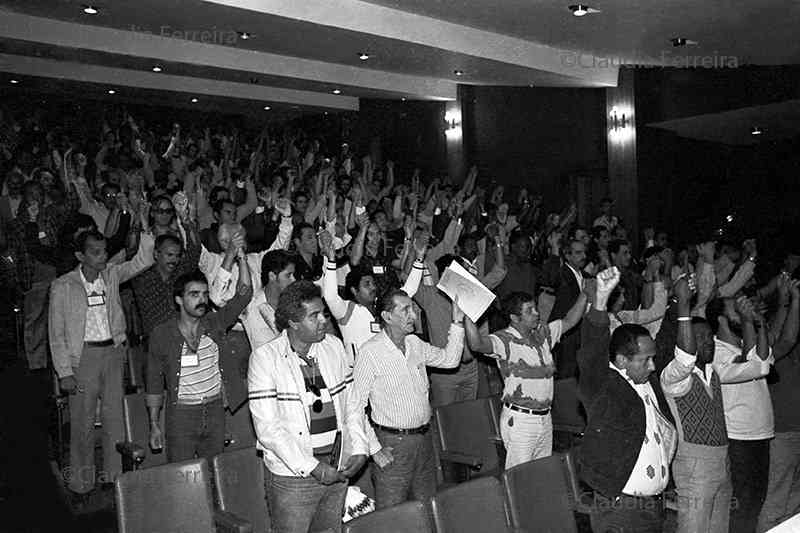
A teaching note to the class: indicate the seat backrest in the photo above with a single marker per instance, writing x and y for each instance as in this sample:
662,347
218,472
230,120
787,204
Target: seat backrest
476,506
408,517
239,428
137,428
496,409
467,427
239,486
175,497
569,459
567,411
538,497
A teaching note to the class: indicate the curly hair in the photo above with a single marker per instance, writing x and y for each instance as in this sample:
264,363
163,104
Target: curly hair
291,300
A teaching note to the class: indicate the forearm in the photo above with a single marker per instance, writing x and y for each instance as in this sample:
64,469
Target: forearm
476,341
575,313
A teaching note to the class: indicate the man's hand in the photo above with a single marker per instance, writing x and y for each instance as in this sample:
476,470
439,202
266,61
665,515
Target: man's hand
362,220
706,252
458,314
683,289
794,288
354,465
554,240
749,247
33,211
649,234
284,207
325,242
383,457
327,475
156,437
69,385
421,244
607,280
746,309
784,288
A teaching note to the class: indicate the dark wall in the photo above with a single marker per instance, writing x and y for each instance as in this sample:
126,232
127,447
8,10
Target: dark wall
686,185
535,137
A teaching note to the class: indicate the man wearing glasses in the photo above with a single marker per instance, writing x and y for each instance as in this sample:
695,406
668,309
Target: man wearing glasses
312,436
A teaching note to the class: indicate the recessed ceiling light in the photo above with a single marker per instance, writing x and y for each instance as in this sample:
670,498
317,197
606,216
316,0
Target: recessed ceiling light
363,56
403,99
682,41
244,35
579,10
14,82
325,113
156,68
112,91
267,108
337,91
458,72
756,131
90,10
194,100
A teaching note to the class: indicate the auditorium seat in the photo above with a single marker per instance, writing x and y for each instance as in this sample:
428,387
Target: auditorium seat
175,497
581,497
239,486
476,506
468,435
408,517
135,450
538,496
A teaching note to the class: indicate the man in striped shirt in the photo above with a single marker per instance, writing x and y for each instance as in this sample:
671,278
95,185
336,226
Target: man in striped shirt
390,373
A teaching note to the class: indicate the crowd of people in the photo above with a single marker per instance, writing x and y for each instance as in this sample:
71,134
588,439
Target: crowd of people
272,273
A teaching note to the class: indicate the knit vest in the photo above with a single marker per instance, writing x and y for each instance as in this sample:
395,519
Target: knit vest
702,417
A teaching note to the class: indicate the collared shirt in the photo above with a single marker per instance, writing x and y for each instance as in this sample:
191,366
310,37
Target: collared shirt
200,379
259,321
608,222
745,394
527,368
650,474
396,383
578,276
97,327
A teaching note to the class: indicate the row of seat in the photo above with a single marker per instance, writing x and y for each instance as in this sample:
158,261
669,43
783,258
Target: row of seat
177,497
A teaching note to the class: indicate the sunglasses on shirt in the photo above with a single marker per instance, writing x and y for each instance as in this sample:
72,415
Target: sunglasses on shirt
317,405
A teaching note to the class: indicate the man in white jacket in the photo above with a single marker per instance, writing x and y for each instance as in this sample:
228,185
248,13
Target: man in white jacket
312,435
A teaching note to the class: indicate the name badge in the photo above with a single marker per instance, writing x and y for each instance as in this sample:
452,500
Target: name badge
189,360
259,209
374,327
378,269
96,299
42,235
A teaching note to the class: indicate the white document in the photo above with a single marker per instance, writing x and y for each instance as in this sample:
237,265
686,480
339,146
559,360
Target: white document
473,296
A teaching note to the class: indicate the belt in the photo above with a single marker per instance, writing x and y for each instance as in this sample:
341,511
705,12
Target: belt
421,430
205,400
540,412
99,344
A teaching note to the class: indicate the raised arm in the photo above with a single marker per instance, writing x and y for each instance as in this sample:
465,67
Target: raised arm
593,353
676,376
330,287
788,337
450,355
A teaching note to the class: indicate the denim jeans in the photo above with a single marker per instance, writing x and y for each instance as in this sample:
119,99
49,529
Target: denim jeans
703,485
194,429
749,475
627,515
412,474
302,504
783,491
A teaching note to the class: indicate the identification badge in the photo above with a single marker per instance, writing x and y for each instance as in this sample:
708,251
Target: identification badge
96,299
42,235
378,269
374,327
259,209
189,360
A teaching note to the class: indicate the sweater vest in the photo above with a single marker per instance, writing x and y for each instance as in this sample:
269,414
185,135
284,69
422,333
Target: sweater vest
703,417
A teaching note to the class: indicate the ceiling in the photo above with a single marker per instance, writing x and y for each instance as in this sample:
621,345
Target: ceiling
301,51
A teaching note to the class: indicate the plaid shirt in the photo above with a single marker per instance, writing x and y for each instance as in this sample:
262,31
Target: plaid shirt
29,242
154,295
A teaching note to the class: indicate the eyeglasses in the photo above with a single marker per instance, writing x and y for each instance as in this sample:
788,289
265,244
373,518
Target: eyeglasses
317,405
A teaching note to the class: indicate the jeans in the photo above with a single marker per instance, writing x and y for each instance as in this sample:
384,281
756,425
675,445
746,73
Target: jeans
525,436
627,514
412,474
783,489
99,374
191,429
302,504
703,485
750,475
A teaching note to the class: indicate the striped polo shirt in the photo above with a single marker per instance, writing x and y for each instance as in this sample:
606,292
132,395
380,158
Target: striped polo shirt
322,424
199,383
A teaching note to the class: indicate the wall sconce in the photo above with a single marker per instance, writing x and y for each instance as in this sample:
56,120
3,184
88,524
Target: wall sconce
452,119
620,124
618,119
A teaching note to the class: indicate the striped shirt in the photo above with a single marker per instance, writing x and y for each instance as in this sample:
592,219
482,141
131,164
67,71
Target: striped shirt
203,381
97,326
396,384
323,425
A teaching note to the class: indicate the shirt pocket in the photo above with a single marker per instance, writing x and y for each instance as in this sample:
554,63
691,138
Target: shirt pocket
419,377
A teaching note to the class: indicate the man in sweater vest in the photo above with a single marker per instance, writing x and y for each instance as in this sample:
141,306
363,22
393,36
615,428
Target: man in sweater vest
694,395
630,437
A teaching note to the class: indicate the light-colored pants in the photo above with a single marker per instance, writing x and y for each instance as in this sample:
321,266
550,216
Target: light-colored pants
99,374
783,490
526,437
703,485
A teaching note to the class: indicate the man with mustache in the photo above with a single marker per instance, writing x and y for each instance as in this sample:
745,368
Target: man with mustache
191,353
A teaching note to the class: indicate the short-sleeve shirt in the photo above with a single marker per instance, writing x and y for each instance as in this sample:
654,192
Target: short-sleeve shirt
527,368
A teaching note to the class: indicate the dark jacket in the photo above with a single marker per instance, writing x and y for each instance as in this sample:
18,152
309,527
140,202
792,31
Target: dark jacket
616,417
561,280
166,342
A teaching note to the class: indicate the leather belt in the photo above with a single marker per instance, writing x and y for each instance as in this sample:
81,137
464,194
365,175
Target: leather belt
514,407
99,344
421,430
